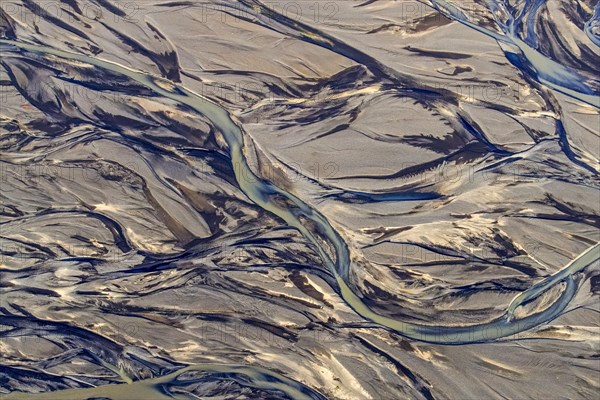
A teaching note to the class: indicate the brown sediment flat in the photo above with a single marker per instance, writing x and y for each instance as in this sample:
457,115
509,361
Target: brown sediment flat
404,172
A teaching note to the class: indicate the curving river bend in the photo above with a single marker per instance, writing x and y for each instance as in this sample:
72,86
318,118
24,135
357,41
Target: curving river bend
314,226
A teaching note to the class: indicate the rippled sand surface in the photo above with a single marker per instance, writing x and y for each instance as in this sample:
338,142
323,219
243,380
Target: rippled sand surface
242,199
